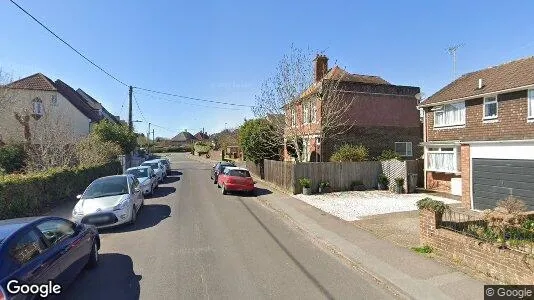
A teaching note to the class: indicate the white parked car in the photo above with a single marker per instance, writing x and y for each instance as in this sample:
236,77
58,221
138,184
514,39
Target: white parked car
157,167
147,179
109,201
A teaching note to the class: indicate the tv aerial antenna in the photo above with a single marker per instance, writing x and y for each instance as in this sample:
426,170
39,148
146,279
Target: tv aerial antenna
452,51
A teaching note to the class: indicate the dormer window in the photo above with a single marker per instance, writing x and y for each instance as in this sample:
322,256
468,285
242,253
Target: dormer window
38,108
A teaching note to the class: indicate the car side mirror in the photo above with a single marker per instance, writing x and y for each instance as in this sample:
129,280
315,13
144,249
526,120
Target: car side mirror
78,197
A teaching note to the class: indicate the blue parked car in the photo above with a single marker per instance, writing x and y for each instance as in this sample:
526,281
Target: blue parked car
37,250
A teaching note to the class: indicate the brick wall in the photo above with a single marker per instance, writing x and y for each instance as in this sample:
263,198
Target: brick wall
440,182
505,265
512,121
465,165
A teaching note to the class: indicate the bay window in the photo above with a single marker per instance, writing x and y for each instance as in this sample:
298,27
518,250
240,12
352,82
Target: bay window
306,112
450,115
442,159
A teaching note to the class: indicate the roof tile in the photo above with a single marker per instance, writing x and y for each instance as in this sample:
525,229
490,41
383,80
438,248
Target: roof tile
36,81
509,75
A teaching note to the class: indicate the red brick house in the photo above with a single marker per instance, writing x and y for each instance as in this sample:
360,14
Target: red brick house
479,136
380,115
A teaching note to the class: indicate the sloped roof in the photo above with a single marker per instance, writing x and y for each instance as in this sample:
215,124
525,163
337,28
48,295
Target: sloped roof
183,136
70,94
201,136
339,74
95,104
36,81
509,75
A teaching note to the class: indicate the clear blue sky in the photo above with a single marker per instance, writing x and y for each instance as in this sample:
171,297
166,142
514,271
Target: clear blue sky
223,50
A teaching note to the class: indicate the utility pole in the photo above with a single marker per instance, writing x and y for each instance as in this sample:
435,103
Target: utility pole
128,158
130,121
148,137
452,51
153,138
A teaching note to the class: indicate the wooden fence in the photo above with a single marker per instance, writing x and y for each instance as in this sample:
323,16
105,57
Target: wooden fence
340,175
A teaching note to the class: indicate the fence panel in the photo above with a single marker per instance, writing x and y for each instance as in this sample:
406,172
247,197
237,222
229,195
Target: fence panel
280,173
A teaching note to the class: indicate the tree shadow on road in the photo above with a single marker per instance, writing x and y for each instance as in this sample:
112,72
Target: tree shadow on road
176,173
113,278
261,191
312,278
149,216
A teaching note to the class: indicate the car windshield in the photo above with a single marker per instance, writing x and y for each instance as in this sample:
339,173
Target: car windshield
138,173
104,187
154,166
239,173
223,166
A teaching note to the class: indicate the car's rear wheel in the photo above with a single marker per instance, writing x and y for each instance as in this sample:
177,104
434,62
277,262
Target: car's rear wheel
93,256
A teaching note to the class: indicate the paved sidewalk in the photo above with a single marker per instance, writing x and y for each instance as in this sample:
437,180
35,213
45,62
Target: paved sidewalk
406,272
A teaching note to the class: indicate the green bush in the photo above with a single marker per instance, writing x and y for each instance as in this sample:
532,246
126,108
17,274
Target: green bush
24,195
351,153
12,158
433,205
389,154
202,148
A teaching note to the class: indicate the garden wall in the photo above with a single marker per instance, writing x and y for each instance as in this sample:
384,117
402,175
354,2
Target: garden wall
505,265
23,195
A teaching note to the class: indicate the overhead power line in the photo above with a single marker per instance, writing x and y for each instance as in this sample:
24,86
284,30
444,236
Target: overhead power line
187,103
68,45
139,109
115,78
191,98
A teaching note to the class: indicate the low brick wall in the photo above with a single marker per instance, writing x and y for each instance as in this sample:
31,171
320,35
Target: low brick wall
505,265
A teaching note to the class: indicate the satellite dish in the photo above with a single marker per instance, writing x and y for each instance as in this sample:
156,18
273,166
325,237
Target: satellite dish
418,96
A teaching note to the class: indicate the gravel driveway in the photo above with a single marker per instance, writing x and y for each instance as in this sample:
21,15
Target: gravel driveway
352,206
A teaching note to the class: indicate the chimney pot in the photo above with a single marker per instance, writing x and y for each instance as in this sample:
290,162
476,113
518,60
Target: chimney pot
321,67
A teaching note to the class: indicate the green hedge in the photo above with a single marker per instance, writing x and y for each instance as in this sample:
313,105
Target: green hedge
23,195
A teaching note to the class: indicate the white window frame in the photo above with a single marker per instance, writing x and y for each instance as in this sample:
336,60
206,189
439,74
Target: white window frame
490,100
313,111
440,150
530,100
38,107
305,112
443,110
407,153
293,113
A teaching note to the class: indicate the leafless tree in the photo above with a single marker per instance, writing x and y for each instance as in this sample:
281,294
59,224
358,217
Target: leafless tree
293,84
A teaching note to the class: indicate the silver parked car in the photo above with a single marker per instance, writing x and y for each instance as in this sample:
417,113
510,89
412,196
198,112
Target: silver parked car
147,179
109,201
157,167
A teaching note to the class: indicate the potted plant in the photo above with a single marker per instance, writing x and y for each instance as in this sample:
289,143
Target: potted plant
324,187
399,185
383,182
305,183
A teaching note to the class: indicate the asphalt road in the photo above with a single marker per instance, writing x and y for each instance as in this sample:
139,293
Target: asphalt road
191,242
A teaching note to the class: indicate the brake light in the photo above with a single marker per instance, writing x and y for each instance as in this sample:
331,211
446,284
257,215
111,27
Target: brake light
2,294
231,180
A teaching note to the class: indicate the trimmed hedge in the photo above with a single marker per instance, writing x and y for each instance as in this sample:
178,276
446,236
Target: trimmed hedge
23,195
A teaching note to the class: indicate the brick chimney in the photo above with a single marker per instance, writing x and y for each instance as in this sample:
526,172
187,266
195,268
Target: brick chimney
321,67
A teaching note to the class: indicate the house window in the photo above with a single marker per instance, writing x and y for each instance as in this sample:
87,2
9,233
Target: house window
450,115
531,104
490,107
38,109
293,117
53,100
403,148
313,112
306,112
442,159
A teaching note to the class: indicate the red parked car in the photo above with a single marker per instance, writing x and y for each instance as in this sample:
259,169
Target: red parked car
235,179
